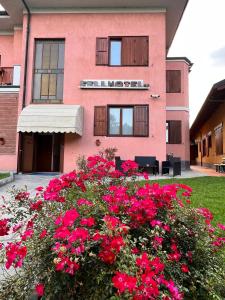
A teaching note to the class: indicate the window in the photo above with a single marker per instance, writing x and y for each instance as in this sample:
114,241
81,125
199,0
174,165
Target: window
203,147
122,51
173,132
115,52
121,121
219,139
48,71
173,81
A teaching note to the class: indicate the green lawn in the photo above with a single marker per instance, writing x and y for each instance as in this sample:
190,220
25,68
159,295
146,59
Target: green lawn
207,192
4,175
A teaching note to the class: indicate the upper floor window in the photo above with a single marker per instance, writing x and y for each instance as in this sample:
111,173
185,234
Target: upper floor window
173,81
48,71
122,51
121,121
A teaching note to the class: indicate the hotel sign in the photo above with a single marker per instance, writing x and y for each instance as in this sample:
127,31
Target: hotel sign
114,84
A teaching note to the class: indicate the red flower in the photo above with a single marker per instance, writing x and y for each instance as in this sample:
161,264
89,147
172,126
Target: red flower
43,234
40,289
37,205
143,262
184,268
107,256
4,228
124,282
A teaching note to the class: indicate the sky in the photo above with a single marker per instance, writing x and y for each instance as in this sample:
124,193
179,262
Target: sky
201,38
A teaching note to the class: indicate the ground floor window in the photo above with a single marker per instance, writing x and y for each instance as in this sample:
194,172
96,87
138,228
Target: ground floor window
219,139
121,121
173,132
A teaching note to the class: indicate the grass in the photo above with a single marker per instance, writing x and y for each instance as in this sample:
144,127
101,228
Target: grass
207,192
4,175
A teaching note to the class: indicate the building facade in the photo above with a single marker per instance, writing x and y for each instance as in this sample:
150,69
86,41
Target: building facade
77,79
207,132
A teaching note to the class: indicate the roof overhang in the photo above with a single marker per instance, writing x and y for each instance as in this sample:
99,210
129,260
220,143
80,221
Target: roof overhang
54,118
215,98
174,10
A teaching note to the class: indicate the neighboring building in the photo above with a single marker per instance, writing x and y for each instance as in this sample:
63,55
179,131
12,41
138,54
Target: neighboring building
207,132
93,76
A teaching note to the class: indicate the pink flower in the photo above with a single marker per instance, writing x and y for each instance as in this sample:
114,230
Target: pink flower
89,222
43,234
27,234
221,226
37,205
40,289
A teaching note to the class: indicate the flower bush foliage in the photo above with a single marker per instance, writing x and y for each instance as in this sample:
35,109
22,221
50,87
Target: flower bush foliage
96,235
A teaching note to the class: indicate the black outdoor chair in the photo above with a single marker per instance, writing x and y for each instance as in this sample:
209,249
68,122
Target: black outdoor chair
148,163
173,164
118,163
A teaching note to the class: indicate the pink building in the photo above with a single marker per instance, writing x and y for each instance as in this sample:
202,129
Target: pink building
80,76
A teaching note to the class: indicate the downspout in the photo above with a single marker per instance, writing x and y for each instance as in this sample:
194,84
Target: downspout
26,53
20,146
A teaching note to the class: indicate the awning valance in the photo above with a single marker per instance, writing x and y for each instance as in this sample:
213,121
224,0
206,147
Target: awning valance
57,118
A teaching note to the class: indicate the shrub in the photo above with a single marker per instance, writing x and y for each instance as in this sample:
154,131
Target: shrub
95,235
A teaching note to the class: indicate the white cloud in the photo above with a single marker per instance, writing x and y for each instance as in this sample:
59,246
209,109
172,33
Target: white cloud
200,37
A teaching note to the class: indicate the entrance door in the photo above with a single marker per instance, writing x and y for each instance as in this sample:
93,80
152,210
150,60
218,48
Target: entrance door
41,152
43,155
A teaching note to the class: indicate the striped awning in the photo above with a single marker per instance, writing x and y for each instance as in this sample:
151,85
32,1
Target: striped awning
53,118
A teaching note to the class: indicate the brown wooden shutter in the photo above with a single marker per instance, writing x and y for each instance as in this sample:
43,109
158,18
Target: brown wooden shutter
175,132
100,121
102,57
173,81
135,51
141,120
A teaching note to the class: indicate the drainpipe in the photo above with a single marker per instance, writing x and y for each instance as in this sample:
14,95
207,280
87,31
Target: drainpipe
26,53
20,146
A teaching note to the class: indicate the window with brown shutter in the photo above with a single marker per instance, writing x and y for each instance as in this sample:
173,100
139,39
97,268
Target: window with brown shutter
48,71
173,81
102,56
122,51
128,120
219,139
174,132
100,121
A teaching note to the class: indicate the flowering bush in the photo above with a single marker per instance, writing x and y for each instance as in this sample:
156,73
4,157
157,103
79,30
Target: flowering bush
95,235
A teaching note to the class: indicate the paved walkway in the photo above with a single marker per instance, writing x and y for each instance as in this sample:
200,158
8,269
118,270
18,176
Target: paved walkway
207,171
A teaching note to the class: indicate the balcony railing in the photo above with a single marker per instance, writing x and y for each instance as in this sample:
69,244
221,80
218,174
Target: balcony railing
10,76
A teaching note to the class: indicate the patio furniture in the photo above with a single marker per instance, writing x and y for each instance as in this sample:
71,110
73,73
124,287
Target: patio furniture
173,164
118,163
149,163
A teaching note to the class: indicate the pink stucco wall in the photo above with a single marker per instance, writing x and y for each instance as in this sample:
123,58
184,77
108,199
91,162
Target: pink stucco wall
80,32
6,50
179,103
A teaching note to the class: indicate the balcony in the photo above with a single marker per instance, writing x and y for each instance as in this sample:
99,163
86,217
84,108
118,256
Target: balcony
9,79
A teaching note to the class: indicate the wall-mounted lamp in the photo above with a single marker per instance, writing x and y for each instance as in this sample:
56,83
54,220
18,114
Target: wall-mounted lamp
2,141
155,96
97,142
